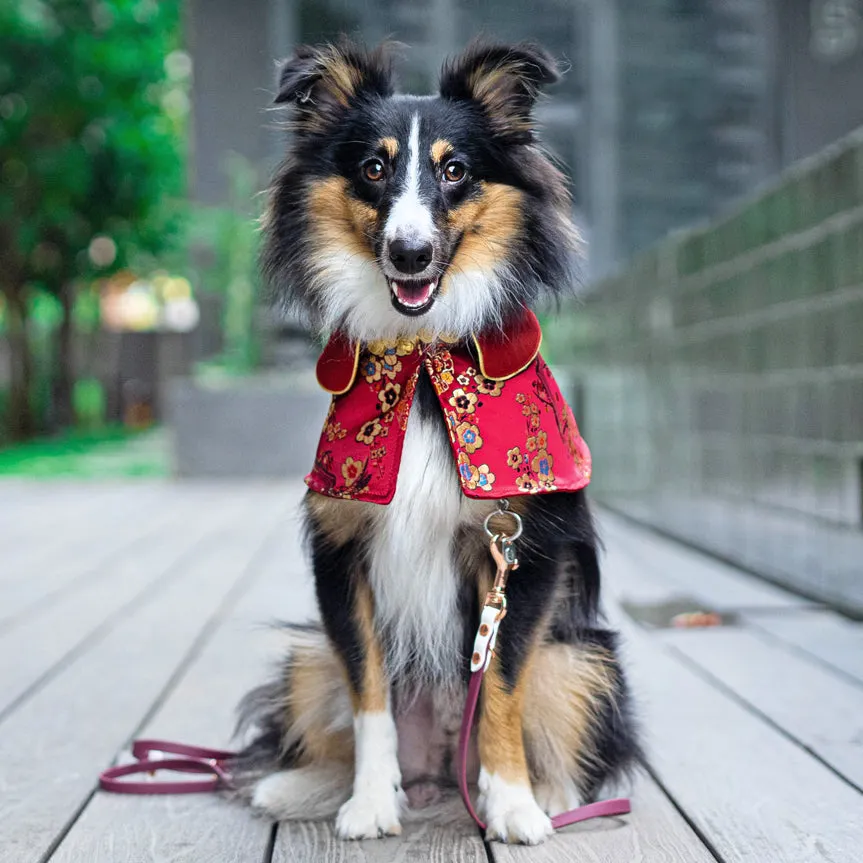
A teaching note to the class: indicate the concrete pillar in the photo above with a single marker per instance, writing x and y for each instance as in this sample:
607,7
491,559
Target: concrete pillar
601,138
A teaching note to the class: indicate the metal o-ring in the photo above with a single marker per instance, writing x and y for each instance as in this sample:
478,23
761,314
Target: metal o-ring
513,515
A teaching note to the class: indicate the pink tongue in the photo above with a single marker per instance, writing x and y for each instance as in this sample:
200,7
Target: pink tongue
413,294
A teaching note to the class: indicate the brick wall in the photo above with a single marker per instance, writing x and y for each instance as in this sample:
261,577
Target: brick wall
720,380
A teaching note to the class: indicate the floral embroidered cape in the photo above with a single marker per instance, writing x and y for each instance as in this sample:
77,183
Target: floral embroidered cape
511,430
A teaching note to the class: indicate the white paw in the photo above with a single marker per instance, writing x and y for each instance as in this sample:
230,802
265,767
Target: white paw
304,792
556,797
370,813
511,812
273,792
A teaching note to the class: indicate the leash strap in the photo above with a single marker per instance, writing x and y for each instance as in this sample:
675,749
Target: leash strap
482,657
196,759
494,610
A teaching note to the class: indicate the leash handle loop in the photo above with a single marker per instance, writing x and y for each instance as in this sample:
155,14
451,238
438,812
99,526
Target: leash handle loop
149,759
143,748
111,779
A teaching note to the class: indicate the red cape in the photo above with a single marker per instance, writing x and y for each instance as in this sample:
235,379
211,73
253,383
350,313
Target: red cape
511,430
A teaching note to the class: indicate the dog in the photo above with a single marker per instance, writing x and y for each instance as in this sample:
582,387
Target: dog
417,233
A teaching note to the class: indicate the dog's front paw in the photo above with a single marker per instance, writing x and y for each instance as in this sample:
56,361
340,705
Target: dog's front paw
511,812
370,813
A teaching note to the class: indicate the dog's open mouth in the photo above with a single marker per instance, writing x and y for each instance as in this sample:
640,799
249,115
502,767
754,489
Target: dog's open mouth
413,297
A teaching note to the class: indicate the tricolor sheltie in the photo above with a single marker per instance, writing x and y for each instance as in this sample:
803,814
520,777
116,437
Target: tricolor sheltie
416,233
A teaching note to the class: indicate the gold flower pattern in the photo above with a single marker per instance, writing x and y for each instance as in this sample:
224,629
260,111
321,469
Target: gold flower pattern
487,386
352,470
463,402
389,396
370,431
469,437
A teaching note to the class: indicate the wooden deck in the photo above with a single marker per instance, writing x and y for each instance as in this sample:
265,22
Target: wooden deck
137,609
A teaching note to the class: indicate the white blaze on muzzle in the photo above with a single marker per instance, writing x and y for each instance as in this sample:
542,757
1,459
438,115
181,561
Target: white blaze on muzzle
410,219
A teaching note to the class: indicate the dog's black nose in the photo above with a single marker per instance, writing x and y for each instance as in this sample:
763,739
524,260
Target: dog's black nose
412,257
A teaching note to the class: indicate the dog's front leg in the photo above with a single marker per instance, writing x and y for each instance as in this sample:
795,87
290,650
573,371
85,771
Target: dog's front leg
347,609
374,808
506,796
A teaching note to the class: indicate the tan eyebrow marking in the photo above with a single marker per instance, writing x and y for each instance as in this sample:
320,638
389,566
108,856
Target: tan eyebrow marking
440,150
390,146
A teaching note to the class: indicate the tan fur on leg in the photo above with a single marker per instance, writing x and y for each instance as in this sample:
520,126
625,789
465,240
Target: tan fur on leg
565,686
507,800
317,707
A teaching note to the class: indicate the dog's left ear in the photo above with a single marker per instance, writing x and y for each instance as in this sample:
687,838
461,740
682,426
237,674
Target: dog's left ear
504,80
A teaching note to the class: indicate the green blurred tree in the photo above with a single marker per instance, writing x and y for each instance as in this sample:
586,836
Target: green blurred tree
93,104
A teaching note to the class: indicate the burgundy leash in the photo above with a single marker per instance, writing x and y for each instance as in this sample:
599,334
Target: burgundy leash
197,759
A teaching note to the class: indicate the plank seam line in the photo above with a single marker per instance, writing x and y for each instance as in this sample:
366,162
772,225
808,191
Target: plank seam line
802,652
247,578
242,583
270,848
104,628
92,574
726,690
628,544
696,829
818,602
489,853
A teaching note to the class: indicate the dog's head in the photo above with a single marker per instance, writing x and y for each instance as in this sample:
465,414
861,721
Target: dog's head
397,213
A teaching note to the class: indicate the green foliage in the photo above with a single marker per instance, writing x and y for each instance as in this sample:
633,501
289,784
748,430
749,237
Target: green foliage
88,400
223,243
93,106
108,453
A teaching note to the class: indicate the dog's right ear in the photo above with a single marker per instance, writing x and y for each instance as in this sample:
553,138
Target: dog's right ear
323,81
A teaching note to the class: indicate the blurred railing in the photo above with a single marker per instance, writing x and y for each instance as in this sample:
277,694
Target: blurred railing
720,380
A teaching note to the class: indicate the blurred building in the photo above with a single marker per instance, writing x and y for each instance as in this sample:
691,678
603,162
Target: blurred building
671,108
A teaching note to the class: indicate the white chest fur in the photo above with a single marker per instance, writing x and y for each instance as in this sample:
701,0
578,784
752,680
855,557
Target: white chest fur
412,571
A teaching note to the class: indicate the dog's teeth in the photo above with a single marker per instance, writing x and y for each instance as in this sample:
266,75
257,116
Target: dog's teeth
398,289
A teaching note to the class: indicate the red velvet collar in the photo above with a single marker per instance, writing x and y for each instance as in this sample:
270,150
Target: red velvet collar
500,355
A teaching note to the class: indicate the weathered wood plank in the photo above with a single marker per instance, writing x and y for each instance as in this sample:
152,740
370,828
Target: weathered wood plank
824,634
753,793
28,653
668,569
189,828
52,748
654,832
106,542
815,706
457,841
202,828
52,528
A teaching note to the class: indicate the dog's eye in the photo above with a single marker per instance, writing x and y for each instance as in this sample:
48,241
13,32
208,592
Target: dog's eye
454,172
374,170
